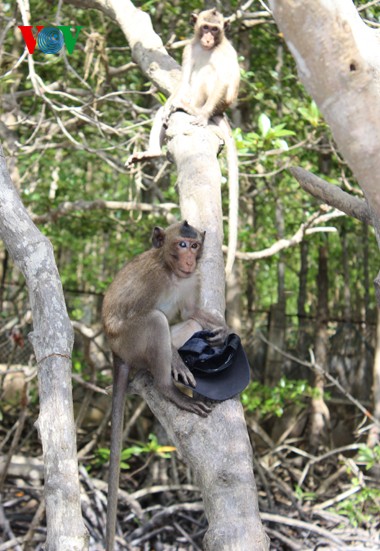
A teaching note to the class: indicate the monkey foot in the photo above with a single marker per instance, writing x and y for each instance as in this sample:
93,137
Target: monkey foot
199,120
194,406
184,402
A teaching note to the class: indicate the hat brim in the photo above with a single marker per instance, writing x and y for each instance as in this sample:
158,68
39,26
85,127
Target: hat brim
227,383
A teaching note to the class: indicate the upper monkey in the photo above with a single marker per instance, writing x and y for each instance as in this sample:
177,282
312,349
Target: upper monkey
210,70
209,82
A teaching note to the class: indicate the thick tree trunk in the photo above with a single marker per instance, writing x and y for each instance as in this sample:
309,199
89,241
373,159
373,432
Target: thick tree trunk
52,340
216,448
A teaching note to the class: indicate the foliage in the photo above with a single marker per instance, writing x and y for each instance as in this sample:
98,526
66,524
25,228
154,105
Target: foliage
362,507
265,400
369,457
150,448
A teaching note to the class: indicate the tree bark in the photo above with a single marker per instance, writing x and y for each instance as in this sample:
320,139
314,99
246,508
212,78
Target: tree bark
52,340
218,448
219,453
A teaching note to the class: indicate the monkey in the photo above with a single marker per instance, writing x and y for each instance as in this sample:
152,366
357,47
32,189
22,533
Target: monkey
209,85
210,70
148,293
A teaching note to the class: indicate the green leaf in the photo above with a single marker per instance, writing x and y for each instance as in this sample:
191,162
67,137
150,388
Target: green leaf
264,124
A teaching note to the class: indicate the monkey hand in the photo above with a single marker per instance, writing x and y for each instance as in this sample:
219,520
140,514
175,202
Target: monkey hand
219,335
179,369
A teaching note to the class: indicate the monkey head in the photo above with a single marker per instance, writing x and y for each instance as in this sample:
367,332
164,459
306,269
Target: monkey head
209,28
181,247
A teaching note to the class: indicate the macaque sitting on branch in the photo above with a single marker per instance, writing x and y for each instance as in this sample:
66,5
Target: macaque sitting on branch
149,293
209,85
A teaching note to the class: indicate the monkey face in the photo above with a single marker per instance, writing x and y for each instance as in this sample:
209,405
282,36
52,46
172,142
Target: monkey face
184,257
209,36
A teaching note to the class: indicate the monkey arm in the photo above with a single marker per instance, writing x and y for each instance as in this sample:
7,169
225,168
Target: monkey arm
181,332
211,321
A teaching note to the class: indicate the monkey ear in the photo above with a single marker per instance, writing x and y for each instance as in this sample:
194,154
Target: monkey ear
226,25
158,237
193,18
203,236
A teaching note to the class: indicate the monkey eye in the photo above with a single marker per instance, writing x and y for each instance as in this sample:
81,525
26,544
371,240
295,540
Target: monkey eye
182,244
206,27
194,245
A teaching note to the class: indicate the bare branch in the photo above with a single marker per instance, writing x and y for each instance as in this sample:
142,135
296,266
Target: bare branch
67,207
306,228
147,47
332,195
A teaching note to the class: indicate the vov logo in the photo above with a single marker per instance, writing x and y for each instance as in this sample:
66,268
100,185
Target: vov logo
50,40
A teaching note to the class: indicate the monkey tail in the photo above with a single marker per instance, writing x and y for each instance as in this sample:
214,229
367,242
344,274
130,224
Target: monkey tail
233,190
120,383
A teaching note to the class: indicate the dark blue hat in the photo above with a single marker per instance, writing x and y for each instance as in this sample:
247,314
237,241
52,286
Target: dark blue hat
220,372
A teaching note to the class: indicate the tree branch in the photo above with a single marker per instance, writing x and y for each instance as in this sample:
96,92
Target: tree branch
332,195
306,228
68,207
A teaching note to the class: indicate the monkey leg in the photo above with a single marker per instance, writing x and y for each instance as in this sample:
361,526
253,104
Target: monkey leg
161,363
146,343
180,333
120,383
169,390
